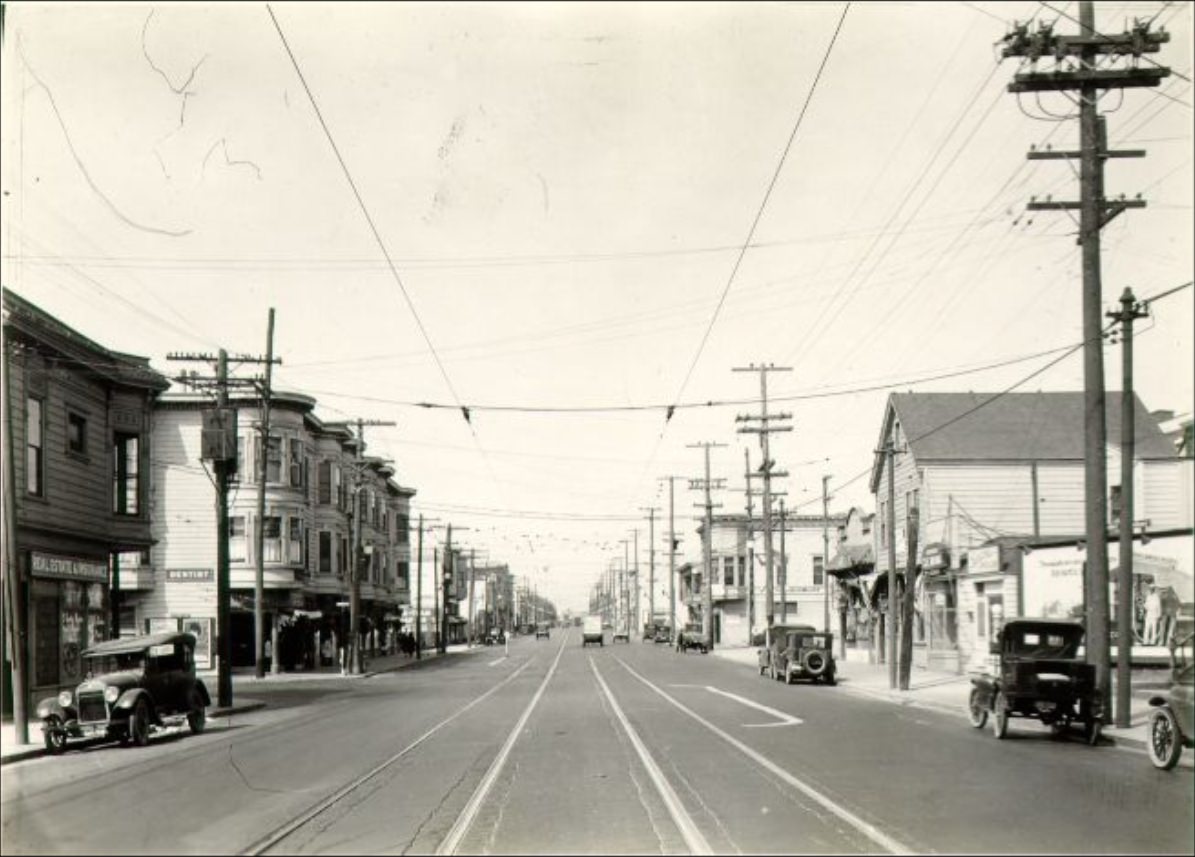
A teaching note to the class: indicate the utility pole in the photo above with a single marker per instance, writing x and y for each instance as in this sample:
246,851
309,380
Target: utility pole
748,476
1094,212
1130,310
16,615
912,524
436,595
218,444
445,579
783,566
764,430
638,618
826,553
259,578
419,590
707,539
472,575
651,560
671,554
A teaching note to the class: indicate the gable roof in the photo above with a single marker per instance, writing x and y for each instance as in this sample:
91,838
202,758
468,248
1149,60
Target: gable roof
1010,427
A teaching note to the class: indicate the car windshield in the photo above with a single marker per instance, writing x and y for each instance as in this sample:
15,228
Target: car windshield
100,664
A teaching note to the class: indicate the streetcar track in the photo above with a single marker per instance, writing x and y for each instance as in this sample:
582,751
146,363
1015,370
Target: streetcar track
283,831
465,820
872,831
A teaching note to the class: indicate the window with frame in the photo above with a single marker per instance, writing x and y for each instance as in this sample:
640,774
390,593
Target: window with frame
819,569
342,557
403,526
238,547
76,434
324,476
274,459
272,538
34,454
296,540
126,481
325,552
296,463
728,570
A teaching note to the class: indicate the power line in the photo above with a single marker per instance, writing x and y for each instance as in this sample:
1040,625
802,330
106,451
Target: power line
759,214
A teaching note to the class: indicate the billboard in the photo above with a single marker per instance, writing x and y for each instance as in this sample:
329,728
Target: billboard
1163,584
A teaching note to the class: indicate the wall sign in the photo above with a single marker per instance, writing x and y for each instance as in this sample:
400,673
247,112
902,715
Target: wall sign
68,568
190,575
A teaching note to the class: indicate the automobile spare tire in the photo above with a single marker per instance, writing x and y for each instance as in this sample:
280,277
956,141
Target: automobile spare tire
815,662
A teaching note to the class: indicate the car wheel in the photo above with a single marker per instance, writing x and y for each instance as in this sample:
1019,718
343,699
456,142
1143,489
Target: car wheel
55,735
139,723
790,677
830,679
1092,728
1000,715
197,717
976,713
1164,744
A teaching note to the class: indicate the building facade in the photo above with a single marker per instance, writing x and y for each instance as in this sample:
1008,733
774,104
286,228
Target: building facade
78,419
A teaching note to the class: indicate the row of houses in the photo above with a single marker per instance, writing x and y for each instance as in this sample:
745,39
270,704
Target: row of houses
995,484
111,517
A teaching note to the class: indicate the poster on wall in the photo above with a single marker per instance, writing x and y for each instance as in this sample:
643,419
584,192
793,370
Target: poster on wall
202,629
1163,585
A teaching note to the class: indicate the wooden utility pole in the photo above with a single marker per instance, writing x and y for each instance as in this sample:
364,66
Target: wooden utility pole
15,604
783,566
651,561
419,594
218,444
259,577
671,554
445,579
907,605
826,553
748,476
1130,310
707,540
765,429
1088,48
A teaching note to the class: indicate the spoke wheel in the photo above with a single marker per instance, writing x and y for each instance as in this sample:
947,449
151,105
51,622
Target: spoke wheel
55,736
1163,741
976,713
139,723
1000,716
197,717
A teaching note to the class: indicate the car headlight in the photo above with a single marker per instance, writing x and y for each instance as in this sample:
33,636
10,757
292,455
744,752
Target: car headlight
111,694
65,698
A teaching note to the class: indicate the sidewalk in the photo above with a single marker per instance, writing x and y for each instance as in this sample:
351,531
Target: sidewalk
947,692
244,680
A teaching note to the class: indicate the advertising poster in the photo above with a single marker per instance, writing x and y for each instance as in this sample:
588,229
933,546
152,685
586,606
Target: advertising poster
1163,585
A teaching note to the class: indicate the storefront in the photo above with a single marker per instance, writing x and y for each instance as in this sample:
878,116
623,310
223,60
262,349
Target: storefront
68,612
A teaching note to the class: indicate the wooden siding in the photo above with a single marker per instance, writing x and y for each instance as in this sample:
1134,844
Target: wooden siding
1164,497
1061,498
184,498
77,487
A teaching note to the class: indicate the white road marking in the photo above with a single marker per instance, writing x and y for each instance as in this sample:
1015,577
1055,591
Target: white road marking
500,660
465,819
694,840
782,718
888,843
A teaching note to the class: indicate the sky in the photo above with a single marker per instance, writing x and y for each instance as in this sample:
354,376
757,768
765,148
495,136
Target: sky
568,217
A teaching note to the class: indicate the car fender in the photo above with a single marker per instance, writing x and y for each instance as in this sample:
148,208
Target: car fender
1155,701
129,698
52,708
203,694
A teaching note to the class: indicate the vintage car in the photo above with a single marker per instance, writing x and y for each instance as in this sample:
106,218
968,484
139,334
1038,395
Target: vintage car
591,631
1170,722
543,629
663,633
133,685
621,633
799,652
692,637
1040,675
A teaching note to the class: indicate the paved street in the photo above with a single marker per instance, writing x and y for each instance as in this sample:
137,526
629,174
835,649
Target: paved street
558,748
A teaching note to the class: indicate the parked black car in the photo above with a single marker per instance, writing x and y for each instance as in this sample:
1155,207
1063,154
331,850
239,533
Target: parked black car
1040,675
1172,721
692,637
133,686
799,652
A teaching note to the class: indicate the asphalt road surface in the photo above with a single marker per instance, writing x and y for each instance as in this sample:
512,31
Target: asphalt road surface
563,749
